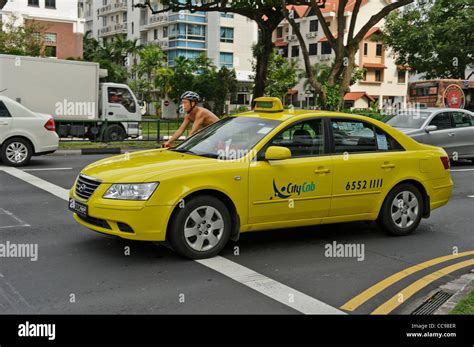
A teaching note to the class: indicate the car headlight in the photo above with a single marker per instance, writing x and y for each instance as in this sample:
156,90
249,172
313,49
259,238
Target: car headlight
132,191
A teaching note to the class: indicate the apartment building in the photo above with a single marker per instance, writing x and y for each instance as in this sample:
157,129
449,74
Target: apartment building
383,79
61,20
227,39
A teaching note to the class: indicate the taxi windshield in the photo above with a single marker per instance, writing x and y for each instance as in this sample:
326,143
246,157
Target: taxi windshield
408,120
230,138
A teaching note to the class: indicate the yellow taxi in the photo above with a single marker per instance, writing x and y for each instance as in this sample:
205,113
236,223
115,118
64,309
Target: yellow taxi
265,169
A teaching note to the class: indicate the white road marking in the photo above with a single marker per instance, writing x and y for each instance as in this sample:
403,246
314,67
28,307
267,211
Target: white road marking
11,296
14,217
15,226
11,215
262,284
38,182
461,170
273,289
49,169
470,196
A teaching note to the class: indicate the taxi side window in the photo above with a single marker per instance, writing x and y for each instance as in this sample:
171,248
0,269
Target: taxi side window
352,136
4,113
302,139
386,143
442,121
462,120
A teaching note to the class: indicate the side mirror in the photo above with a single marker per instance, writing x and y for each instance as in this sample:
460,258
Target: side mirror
277,153
431,128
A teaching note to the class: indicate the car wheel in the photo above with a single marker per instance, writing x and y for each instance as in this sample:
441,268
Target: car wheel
201,228
115,133
402,210
16,152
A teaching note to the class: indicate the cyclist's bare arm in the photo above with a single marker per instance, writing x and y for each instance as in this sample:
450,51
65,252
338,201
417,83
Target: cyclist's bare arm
180,130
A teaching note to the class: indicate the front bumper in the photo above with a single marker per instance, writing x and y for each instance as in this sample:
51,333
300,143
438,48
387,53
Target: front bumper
140,222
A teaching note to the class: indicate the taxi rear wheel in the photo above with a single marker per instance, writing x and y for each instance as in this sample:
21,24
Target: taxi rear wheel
201,228
402,210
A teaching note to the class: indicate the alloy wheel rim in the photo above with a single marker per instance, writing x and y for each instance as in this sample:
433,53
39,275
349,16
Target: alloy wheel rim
203,228
404,209
16,152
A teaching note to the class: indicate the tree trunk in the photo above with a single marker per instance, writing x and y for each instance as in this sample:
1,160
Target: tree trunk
266,46
347,72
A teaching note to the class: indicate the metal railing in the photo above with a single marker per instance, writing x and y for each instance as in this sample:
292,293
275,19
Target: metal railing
153,130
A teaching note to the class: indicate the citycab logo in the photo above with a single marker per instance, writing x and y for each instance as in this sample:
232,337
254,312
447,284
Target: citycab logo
288,190
454,96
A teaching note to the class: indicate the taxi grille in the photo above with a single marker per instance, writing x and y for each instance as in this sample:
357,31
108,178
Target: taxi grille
86,186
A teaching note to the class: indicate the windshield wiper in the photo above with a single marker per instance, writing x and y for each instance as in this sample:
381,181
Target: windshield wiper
207,155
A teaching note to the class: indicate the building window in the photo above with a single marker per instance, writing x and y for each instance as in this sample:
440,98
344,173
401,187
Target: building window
50,4
133,28
279,32
124,17
378,75
326,48
50,51
365,75
227,59
227,15
378,50
401,76
50,37
295,51
227,35
313,48
155,34
165,32
366,48
33,3
313,25
104,21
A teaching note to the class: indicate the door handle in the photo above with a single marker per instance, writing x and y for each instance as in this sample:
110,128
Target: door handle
3,123
387,166
111,113
451,134
322,170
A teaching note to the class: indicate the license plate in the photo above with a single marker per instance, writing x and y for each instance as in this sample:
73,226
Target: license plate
78,207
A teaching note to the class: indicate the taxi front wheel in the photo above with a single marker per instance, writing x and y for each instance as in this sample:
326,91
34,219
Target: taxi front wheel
402,210
201,228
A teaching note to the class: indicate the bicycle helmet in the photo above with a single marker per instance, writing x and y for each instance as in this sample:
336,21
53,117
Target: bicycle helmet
191,96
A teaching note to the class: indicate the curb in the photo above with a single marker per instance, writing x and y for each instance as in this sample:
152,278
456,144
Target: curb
460,287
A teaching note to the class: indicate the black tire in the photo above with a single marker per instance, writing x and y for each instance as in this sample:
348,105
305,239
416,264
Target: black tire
115,133
188,247
23,146
399,209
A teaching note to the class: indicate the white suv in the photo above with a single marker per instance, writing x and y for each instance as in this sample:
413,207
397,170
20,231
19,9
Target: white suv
24,133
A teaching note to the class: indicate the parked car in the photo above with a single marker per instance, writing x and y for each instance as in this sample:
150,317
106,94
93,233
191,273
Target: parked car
452,129
264,169
24,133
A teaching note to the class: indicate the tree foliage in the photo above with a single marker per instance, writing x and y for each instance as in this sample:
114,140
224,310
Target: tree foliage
282,75
436,39
200,75
23,40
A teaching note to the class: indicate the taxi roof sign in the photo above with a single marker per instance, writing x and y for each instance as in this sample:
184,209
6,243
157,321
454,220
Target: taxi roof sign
268,104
